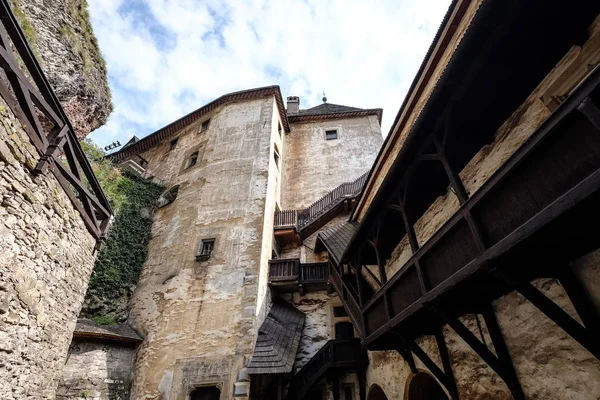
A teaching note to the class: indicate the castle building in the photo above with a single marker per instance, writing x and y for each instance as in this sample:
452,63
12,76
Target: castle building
297,254
205,293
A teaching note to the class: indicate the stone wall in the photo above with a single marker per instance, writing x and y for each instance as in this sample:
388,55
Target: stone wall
97,371
199,318
314,166
46,258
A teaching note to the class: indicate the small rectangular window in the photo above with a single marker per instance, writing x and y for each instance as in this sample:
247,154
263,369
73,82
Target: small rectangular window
173,144
192,160
276,156
279,128
331,134
205,125
206,249
348,393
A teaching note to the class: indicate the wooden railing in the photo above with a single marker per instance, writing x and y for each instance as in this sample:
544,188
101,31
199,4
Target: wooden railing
30,97
303,217
292,270
348,299
334,354
283,270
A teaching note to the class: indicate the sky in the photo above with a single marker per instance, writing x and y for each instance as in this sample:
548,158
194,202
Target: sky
166,58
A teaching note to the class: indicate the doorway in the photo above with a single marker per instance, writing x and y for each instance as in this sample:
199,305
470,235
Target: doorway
423,386
205,393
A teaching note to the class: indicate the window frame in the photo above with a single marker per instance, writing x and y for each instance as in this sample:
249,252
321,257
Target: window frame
329,132
205,254
205,125
192,157
173,144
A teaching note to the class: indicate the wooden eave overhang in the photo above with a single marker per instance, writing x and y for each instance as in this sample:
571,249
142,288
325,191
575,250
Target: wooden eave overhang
497,64
301,118
162,134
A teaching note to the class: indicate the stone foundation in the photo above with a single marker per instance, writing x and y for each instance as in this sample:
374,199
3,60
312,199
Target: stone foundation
46,258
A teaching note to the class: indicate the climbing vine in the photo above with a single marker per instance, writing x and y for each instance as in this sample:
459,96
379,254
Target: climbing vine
120,260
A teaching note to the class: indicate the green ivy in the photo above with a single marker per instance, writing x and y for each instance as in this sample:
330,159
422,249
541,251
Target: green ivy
134,199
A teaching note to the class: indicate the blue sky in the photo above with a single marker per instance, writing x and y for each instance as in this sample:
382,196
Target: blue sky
166,58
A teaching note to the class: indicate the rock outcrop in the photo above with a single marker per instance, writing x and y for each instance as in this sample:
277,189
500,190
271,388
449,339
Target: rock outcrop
61,35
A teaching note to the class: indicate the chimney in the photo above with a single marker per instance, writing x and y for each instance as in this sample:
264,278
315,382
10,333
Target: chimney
293,104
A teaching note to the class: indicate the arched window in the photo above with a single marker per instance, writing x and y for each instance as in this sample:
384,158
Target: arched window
376,393
422,386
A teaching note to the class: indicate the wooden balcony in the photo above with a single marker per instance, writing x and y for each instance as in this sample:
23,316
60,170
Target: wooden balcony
289,275
334,355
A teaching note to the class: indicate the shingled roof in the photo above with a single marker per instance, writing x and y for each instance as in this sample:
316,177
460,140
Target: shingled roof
336,239
330,111
120,333
278,340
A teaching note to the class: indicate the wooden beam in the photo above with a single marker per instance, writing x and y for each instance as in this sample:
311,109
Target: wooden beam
581,301
361,376
591,112
445,356
501,350
408,357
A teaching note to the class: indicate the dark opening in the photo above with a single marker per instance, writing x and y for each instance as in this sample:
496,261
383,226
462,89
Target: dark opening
205,393
206,249
279,129
348,393
339,312
424,387
173,143
205,125
193,160
344,330
376,393
330,135
315,394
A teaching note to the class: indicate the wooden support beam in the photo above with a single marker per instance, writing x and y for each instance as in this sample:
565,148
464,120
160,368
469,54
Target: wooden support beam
591,111
581,301
408,357
335,387
484,353
372,274
502,351
445,356
361,376
425,359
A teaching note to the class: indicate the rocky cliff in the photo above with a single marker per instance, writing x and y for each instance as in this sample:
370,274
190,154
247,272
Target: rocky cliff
61,35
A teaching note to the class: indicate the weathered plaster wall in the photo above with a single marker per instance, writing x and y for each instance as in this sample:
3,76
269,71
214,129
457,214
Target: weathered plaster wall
46,258
314,166
199,318
97,371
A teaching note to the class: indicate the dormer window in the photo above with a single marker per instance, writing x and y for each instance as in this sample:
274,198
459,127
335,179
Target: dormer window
205,125
192,160
207,247
331,134
173,144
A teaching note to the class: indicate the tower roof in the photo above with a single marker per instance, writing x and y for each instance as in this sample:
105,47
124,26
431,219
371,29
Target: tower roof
330,111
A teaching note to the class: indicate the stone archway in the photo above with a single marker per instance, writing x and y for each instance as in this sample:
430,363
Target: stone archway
376,393
422,386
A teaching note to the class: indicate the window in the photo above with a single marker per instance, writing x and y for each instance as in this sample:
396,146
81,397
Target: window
192,160
168,197
173,144
276,156
348,393
205,393
279,128
206,249
205,125
331,134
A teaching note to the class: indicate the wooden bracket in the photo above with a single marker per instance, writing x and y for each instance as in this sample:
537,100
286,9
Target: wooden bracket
500,363
591,112
585,335
445,376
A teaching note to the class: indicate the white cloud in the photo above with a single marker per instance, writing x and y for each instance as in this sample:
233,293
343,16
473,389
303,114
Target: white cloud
166,58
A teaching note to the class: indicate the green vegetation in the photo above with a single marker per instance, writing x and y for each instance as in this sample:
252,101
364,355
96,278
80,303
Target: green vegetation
84,43
25,25
121,258
105,320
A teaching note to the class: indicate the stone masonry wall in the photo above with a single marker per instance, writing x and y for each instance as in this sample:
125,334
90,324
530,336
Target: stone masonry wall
199,318
46,258
314,166
97,371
